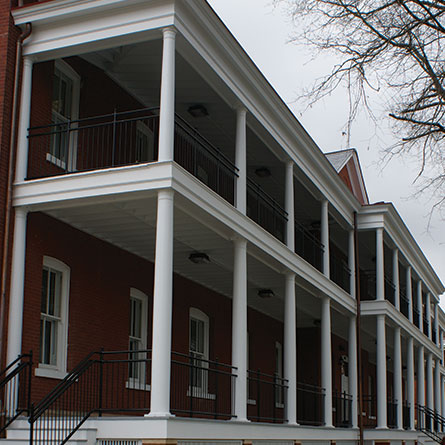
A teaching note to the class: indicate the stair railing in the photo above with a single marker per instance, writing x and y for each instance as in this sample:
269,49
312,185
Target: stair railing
430,422
15,390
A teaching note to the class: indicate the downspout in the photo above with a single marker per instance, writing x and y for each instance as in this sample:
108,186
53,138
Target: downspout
359,342
10,175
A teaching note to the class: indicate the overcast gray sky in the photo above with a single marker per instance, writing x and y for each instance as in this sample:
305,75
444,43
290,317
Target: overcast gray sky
264,33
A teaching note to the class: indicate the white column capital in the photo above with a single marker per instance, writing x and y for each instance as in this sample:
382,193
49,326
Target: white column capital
241,110
28,61
169,33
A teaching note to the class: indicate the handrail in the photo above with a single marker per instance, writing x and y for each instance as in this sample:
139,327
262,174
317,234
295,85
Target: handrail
15,390
272,202
310,235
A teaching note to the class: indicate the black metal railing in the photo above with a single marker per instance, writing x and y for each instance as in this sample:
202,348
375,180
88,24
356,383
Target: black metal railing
368,284
310,404
426,325
430,423
391,413
15,390
265,210
416,316
342,409
404,304
433,335
406,415
201,388
390,291
121,139
339,271
267,397
369,411
308,246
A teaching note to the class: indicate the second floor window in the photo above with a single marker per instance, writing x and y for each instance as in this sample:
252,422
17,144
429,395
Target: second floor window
199,348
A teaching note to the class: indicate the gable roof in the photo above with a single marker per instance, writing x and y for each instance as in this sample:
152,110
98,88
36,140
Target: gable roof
347,165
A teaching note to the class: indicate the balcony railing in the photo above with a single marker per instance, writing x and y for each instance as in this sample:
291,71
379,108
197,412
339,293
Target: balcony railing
416,316
308,246
369,287
265,210
404,304
122,139
310,404
267,396
391,413
426,325
340,272
390,291
406,415
369,411
201,388
342,407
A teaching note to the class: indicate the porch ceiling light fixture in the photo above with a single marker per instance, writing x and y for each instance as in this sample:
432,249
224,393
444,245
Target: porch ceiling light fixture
199,258
198,110
266,293
263,172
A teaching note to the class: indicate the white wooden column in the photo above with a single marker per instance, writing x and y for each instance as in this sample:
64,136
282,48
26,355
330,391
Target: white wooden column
428,314
421,376
395,277
290,348
429,381
436,323
351,262
290,206
437,397
352,370
419,304
410,381
16,295
398,377
239,326
381,373
409,293
162,307
325,236
24,121
326,359
167,99
241,160
442,383
379,265
442,350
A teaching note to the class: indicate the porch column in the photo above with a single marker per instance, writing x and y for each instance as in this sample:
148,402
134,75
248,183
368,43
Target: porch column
167,100
162,307
239,327
428,313
421,376
443,395
326,359
351,262
398,377
410,381
15,319
429,381
325,236
419,304
409,293
381,373
442,352
352,370
289,196
290,348
437,398
380,266
241,160
395,277
24,121
436,323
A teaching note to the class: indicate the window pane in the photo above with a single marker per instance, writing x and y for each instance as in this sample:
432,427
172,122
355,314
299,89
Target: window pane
43,305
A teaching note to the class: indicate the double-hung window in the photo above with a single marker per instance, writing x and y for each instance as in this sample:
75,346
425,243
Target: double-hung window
199,351
137,339
53,318
64,110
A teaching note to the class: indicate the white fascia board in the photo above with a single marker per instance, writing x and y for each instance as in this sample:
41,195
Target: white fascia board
390,435
384,307
99,183
211,430
64,28
385,215
211,39
192,189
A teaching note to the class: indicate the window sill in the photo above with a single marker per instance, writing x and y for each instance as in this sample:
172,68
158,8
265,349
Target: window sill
50,373
136,385
199,393
56,161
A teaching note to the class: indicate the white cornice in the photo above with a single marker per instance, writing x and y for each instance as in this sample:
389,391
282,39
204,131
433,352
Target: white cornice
385,215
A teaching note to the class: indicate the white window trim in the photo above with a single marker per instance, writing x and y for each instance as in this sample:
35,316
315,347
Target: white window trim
66,69
58,371
196,391
133,383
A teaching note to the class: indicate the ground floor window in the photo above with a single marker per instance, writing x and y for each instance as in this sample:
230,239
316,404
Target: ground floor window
199,348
